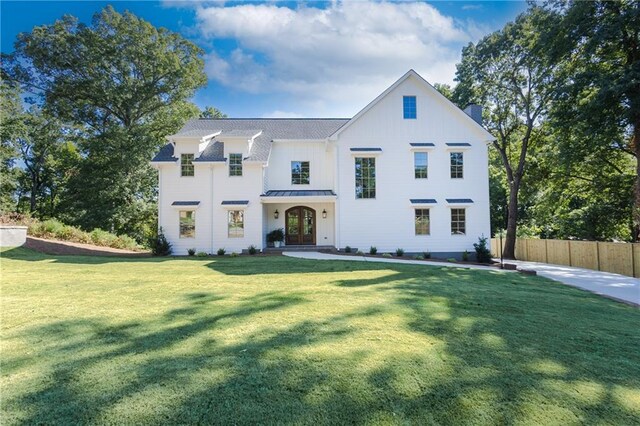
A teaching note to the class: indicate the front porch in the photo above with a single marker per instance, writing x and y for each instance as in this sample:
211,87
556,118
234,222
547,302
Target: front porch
307,218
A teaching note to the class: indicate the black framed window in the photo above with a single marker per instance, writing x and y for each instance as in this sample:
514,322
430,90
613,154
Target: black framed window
235,164
365,177
458,222
186,165
457,165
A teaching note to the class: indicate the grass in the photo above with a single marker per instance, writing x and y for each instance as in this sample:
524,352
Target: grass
278,340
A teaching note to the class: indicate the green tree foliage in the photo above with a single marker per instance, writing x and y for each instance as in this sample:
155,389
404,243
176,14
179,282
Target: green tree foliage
511,74
11,127
212,112
126,85
598,110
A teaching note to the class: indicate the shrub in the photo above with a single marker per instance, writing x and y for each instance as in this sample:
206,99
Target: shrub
360,252
386,255
159,245
202,254
426,255
275,235
221,252
191,251
373,250
399,252
418,257
483,253
234,254
465,256
452,260
252,249
347,249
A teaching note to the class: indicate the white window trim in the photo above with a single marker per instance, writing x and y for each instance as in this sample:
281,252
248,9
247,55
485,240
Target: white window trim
421,207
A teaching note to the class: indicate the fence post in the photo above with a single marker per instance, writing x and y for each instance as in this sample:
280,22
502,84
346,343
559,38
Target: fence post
597,255
569,244
546,252
633,263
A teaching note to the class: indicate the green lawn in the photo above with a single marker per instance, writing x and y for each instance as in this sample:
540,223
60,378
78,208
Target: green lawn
279,340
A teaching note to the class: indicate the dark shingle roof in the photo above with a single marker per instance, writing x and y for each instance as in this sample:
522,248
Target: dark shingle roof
299,193
214,151
272,128
165,154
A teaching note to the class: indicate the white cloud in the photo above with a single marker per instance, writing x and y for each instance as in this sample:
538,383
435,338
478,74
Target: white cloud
472,7
330,61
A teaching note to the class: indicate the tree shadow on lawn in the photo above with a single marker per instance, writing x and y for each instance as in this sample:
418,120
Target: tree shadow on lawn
493,348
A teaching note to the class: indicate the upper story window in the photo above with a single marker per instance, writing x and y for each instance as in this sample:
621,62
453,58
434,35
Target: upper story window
423,225
299,173
420,164
186,165
187,224
458,222
457,165
409,107
235,164
236,224
365,177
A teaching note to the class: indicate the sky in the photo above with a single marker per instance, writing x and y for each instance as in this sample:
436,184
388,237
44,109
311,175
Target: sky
298,59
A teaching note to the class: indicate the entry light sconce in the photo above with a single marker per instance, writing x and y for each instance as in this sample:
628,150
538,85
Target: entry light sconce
324,213
276,214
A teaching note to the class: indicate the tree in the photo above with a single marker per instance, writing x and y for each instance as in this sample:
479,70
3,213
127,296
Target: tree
212,112
511,74
599,102
444,90
126,85
11,127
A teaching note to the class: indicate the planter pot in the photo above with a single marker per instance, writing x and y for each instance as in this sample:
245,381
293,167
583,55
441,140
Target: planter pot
277,244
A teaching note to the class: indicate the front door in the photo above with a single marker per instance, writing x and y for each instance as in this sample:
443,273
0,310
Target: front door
300,226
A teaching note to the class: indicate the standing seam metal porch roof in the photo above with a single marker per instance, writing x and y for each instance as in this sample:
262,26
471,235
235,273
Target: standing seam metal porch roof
300,193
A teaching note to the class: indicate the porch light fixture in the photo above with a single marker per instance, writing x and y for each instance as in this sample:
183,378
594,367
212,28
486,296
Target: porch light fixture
276,214
324,213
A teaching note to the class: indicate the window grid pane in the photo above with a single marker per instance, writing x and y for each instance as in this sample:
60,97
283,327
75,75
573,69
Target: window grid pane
409,107
300,173
365,177
235,164
420,165
457,165
186,165
236,224
458,222
187,224
423,224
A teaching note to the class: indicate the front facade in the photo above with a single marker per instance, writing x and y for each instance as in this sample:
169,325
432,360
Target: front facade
409,171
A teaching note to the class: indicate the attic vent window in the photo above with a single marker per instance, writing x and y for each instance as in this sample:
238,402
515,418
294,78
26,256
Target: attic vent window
409,107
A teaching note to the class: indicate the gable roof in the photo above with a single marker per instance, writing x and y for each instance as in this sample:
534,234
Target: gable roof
430,88
272,129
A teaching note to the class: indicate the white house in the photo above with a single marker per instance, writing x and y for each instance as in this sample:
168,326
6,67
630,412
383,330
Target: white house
408,171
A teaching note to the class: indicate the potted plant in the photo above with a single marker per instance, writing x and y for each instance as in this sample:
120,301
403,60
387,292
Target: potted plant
276,237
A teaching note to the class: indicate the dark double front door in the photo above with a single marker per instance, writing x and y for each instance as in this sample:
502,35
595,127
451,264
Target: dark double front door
300,226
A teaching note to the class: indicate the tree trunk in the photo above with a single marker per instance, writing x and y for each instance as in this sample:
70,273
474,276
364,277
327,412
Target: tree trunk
509,251
636,204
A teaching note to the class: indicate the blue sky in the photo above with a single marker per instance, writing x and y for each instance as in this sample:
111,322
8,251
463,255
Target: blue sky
299,59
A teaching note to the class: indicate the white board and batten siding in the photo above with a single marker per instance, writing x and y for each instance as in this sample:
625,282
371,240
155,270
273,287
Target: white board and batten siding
387,221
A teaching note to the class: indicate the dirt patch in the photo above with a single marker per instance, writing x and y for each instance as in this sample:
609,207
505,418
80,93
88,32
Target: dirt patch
77,249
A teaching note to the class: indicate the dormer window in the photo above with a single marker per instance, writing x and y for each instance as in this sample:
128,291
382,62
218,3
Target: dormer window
409,107
235,164
186,165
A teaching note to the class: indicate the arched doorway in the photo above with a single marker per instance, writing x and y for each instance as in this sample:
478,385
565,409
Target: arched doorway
300,224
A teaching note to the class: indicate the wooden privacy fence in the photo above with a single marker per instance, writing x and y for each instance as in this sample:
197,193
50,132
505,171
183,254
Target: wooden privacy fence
620,258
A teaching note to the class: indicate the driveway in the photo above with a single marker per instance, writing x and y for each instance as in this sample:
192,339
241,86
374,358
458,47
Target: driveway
614,286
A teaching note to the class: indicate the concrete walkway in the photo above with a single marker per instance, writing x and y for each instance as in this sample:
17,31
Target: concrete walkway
614,286
327,256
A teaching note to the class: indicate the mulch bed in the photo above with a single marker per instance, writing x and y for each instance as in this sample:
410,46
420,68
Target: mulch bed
77,249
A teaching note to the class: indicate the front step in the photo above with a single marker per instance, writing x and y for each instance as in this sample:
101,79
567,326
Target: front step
299,248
